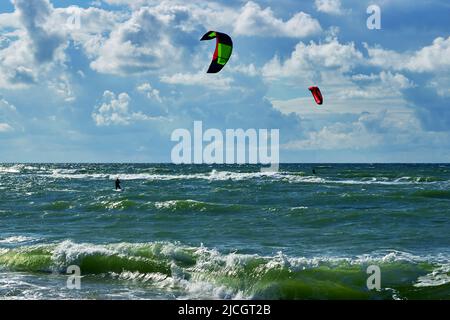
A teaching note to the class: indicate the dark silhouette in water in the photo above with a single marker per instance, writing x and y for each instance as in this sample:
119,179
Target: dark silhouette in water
314,171
118,187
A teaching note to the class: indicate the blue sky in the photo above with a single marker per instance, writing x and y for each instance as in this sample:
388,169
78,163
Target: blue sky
113,87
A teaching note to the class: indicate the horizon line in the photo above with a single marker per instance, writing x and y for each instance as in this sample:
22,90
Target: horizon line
219,164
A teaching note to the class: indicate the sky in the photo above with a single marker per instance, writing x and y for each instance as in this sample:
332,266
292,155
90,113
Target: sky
110,80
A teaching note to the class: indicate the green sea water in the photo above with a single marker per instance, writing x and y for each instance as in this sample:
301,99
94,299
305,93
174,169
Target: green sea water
225,232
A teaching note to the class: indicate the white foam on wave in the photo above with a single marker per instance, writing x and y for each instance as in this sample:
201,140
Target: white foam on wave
19,168
173,204
166,204
211,176
438,277
195,287
298,208
68,252
214,175
11,169
202,273
210,258
84,176
18,287
17,239
64,171
372,181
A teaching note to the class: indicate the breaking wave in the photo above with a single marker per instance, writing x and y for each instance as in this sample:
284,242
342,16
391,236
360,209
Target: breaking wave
202,273
214,175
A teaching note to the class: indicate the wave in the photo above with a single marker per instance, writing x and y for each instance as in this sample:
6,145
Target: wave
173,206
300,209
201,273
120,205
358,176
214,175
386,175
438,277
20,168
193,205
57,205
17,239
11,169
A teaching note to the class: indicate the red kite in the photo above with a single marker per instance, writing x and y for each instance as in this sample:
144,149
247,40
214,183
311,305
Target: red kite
317,94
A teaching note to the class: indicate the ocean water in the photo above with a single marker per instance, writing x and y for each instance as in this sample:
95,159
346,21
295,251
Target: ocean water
224,232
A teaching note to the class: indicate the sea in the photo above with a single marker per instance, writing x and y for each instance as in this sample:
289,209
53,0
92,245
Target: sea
349,231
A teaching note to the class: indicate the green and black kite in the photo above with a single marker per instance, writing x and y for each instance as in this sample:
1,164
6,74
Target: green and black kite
224,48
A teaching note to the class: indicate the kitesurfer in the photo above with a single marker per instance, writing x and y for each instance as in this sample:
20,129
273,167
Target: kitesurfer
118,187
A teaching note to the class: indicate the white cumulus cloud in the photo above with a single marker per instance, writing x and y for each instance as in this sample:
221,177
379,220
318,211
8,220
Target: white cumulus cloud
329,6
432,58
139,45
198,79
4,127
253,20
115,110
312,57
368,131
8,116
149,91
